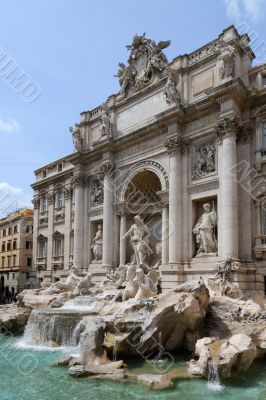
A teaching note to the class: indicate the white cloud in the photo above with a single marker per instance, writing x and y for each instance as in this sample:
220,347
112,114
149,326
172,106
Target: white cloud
8,127
254,8
12,198
232,9
245,9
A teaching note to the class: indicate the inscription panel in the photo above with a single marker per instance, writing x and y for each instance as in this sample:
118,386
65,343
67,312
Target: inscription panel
139,114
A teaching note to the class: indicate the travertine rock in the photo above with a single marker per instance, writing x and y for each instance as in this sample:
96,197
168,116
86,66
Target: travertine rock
13,318
156,381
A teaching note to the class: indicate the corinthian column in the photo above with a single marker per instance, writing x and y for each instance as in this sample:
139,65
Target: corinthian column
175,148
108,215
226,131
123,245
165,233
79,183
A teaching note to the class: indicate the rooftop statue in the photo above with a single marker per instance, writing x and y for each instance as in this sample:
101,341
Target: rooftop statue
226,60
77,137
146,62
171,92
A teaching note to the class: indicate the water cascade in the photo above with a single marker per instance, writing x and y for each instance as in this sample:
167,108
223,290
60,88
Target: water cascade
214,382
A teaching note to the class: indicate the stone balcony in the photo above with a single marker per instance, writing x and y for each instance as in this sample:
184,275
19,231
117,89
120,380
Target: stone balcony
57,262
41,264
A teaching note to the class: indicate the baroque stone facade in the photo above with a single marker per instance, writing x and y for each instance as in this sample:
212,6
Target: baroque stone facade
183,146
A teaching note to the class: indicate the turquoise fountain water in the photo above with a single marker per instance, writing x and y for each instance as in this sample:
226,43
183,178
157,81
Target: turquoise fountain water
34,375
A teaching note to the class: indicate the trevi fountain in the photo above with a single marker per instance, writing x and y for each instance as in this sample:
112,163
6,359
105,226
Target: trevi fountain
161,295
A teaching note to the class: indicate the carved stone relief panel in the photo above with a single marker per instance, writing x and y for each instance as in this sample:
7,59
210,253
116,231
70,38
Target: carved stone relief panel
204,160
96,192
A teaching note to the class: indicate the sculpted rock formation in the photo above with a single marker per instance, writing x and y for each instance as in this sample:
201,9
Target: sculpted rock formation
223,284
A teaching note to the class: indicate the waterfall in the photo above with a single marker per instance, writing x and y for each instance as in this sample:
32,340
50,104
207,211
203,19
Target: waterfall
115,352
51,329
214,382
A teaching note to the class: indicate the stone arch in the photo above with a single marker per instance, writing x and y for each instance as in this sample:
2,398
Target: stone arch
148,165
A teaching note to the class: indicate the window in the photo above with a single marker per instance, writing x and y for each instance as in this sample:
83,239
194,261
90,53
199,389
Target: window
4,233
42,249
28,245
29,229
10,231
14,261
59,198
14,276
60,167
58,247
15,229
3,246
14,245
43,203
8,262
8,246
44,174
3,262
264,136
29,261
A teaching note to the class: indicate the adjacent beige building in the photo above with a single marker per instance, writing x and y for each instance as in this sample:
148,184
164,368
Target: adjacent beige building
16,231
183,144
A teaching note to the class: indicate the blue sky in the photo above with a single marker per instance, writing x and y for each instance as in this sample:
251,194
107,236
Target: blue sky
71,49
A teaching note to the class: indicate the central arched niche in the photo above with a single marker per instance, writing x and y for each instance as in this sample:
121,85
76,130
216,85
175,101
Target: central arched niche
142,198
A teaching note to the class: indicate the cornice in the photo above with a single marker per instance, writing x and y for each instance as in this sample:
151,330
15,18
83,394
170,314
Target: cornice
233,89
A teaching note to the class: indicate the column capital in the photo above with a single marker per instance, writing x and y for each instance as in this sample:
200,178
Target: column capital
36,202
106,168
121,213
230,125
176,145
79,180
164,204
68,192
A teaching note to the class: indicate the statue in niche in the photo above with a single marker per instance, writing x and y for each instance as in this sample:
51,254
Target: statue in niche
97,244
204,230
106,126
171,93
97,192
226,60
205,162
77,137
139,239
